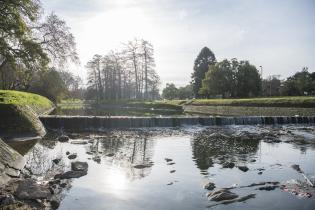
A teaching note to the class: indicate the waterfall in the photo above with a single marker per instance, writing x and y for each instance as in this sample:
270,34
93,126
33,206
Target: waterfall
87,123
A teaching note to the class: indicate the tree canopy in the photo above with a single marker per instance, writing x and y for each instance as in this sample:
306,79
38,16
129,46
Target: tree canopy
231,79
204,60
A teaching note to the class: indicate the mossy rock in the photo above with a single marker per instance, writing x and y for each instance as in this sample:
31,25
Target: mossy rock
19,121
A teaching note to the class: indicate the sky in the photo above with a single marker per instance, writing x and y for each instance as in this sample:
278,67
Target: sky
278,35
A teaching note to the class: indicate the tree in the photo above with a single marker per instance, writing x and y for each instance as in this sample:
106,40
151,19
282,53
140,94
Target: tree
218,80
205,59
56,40
301,83
231,79
248,81
50,84
271,86
185,92
125,74
170,91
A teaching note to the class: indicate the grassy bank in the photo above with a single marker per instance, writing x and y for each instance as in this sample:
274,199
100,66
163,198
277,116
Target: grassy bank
38,103
299,101
76,103
19,114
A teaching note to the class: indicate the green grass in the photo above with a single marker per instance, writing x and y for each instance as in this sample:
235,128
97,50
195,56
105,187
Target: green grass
37,102
77,104
297,101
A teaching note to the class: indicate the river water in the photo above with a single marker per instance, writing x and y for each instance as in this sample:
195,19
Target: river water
168,168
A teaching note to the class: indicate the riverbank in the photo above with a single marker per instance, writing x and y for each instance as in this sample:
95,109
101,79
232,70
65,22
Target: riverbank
19,113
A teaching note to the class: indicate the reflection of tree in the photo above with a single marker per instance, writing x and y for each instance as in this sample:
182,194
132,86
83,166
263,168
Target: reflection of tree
39,159
222,145
127,150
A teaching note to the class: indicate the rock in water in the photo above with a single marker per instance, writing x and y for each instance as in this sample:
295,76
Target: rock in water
141,166
73,156
56,161
297,168
11,162
71,174
30,190
79,166
63,138
243,168
209,186
228,165
222,195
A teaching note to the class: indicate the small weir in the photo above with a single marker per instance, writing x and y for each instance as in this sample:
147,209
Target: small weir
90,123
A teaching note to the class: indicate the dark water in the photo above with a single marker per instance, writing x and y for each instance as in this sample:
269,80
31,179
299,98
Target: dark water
198,155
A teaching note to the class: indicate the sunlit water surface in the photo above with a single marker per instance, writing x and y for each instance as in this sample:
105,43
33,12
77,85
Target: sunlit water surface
113,183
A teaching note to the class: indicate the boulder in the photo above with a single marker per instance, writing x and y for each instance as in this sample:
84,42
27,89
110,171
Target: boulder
63,138
228,165
73,156
79,166
30,190
209,186
71,174
222,195
243,168
11,162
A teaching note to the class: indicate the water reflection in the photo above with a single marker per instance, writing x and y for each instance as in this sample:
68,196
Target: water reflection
126,151
222,145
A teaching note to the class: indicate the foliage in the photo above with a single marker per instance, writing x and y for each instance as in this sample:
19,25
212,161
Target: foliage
271,86
170,91
30,44
204,60
50,84
231,78
301,83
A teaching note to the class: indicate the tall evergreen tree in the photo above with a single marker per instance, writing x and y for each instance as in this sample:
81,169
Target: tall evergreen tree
204,60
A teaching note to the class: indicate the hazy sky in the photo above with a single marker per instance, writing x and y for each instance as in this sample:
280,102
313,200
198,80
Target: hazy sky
276,34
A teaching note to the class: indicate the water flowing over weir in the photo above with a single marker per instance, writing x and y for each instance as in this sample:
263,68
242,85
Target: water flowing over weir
90,123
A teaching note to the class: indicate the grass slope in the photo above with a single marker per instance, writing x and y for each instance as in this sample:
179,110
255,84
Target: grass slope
297,101
38,103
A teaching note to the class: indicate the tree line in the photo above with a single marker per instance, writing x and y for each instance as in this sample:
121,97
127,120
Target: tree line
238,79
35,50
128,73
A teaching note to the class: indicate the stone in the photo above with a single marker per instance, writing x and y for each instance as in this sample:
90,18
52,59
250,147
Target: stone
67,153
297,168
7,200
30,190
56,161
71,174
243,168
168,159
170,163
141,166
63,138
228,165
110,155
209,186
73,156
222,195
79,166
268,188
97,159
172,171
